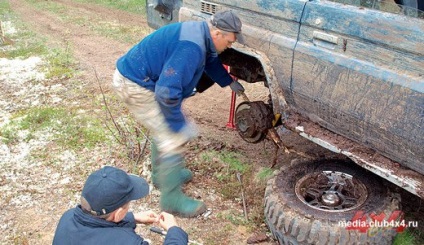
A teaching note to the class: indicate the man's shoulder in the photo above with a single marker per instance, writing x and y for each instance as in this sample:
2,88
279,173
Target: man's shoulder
68,213
196,25
195,32
84,230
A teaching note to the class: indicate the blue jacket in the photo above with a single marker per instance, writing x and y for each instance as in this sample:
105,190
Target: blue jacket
170,62
79,228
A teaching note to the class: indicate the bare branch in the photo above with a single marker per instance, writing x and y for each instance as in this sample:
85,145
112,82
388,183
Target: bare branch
107,109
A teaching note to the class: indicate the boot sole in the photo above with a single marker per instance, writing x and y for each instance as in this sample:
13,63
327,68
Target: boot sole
202,209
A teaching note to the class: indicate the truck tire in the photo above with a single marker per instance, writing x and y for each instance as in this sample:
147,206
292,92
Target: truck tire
301,207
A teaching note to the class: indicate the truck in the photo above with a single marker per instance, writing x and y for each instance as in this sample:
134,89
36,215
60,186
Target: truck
347,75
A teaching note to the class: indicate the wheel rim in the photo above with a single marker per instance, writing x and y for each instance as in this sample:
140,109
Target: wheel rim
331,191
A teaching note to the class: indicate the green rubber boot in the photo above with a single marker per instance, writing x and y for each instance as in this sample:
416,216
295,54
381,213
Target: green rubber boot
185,174
172,199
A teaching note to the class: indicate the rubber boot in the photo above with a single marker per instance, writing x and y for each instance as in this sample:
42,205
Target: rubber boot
185,174
172,199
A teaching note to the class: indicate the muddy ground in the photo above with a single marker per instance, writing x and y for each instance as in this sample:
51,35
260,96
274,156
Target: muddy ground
49,190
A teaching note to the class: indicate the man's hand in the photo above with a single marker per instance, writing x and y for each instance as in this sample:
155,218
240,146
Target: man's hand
167,220
176,141
237,87
146,217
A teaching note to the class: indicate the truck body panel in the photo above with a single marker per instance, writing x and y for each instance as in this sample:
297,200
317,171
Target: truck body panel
354,73
358,72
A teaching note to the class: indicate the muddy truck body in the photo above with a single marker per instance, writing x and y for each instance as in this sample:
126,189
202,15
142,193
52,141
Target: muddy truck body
347,76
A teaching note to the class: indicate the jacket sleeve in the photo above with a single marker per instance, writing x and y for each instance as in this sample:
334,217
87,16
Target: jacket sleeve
177,72
128,221
216,71
130,236
176,236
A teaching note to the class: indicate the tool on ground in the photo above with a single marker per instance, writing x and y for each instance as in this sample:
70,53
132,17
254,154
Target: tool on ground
242,195
163,233
207,213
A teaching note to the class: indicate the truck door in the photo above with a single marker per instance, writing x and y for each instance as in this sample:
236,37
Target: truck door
162,12
359,72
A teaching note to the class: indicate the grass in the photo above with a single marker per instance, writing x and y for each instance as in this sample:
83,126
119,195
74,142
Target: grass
407,238
120,32
265,173
51,6
233,217
132,6
63,127
26,49
116,31
66,127
4,7
71,129
223,166
59,63
22,43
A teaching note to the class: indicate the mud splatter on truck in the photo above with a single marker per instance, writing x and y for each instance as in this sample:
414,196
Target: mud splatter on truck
346,75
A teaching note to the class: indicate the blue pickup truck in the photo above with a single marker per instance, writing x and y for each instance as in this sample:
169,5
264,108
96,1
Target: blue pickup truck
347,75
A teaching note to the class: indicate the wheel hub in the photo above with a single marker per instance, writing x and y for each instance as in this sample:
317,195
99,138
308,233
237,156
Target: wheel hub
330,199
253,119
331,191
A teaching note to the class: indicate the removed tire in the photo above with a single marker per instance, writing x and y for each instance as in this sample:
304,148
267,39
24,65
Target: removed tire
309,202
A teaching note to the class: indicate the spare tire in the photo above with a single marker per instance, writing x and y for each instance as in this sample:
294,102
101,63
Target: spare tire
307,202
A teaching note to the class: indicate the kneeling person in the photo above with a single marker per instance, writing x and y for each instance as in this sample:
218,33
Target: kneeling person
103,217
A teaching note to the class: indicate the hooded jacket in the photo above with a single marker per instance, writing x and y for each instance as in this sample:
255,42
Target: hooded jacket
79,228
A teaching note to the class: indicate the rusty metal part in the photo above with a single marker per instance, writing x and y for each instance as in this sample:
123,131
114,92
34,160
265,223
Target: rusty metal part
253,119
272,133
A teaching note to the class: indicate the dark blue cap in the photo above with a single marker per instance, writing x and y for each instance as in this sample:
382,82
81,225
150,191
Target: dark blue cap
110,188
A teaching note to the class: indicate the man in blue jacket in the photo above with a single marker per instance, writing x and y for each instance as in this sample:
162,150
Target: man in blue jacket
103,217
156,75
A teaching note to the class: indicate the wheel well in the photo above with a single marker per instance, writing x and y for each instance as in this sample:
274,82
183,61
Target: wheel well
243,66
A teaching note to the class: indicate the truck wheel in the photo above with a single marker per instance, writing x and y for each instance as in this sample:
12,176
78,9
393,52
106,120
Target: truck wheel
311,202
